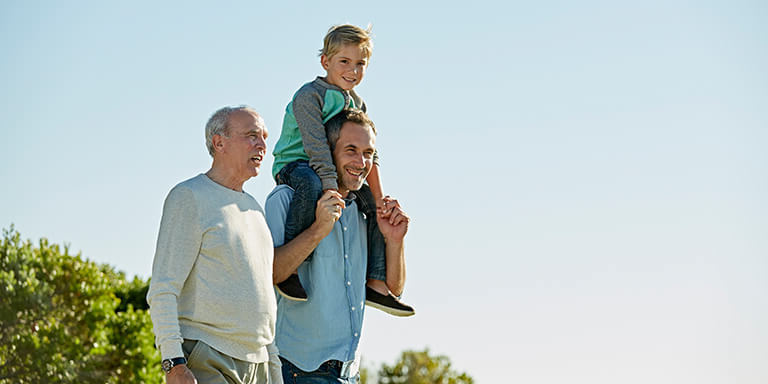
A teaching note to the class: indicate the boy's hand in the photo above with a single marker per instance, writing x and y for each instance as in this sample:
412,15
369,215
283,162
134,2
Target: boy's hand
384,206
394,223
328,211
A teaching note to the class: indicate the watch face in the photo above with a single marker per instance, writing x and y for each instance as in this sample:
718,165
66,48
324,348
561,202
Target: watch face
167,364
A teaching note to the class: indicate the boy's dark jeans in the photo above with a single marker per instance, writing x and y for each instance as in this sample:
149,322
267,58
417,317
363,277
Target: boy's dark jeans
301,214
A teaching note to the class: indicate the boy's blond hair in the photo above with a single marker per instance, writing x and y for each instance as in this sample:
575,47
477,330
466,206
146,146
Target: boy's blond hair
340,35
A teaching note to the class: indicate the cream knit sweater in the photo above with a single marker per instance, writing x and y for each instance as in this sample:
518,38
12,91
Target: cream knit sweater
212,273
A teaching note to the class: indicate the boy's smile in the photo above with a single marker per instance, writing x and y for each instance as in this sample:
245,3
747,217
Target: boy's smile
346,68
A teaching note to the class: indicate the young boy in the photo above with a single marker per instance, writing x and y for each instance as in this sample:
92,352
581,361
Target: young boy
303,159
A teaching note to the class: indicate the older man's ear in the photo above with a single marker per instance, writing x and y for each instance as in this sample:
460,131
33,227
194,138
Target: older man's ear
218,143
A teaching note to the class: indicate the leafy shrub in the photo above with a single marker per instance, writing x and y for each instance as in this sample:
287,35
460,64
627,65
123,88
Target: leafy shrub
419,367
63,319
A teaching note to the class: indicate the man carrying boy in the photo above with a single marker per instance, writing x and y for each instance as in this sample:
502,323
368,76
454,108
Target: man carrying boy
318,340
304,162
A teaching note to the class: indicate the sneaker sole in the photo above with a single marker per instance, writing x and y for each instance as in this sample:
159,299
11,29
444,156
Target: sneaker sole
390,310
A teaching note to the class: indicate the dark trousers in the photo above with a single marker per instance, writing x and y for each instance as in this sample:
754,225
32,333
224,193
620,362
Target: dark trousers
328,373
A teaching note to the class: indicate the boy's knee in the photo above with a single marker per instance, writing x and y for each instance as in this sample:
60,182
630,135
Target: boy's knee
308,178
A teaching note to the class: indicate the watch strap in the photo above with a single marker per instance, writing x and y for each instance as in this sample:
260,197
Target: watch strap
168,364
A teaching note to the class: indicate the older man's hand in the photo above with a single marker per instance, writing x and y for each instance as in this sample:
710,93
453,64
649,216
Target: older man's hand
180,374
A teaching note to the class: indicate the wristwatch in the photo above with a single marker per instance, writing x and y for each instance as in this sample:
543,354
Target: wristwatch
170,363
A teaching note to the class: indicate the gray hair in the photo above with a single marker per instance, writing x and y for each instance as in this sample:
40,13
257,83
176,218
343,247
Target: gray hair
218,124
333,126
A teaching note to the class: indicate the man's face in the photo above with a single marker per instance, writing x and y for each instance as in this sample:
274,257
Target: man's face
244,149
346,68
353,156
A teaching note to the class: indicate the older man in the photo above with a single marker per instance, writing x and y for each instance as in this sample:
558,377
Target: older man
318,339
211,298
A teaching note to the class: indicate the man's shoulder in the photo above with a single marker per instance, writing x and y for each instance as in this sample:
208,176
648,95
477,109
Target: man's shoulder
192,182
276,209
280,195
204,191
189,186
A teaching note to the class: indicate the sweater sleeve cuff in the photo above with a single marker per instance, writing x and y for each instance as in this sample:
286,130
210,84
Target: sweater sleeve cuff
330,184
171,350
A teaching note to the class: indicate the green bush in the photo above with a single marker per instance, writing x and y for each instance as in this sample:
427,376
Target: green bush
419,367
69,320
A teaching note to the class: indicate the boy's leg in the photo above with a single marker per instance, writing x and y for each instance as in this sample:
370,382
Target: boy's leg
377,294
377,263
301,214
307,189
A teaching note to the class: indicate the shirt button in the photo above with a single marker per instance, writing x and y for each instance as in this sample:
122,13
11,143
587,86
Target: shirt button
349,283
345,228
355,334
346,256
353,308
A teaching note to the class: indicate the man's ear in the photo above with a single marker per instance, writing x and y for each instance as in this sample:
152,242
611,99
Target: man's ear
218,142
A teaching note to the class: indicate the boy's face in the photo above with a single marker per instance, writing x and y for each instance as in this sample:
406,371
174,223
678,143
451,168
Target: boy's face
346,68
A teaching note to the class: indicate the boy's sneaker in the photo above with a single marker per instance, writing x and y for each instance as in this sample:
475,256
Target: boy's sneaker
291,289
387,303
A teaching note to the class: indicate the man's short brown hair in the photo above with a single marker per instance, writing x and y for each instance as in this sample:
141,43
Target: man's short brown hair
353,115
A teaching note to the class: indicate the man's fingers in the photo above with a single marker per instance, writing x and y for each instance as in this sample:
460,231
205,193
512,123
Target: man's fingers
331,204
389,204
333,198
398,217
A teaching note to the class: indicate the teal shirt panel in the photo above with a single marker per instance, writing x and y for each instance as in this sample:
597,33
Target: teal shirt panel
290,146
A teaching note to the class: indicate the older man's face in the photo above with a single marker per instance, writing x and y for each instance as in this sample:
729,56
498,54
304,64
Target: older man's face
353,156
245,147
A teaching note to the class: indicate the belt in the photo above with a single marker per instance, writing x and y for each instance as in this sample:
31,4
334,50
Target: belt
346,369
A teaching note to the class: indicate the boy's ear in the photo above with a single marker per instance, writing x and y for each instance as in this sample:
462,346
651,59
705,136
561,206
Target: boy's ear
324,61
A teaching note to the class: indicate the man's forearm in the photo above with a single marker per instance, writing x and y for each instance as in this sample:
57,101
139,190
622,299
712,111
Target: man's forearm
289,256
395,255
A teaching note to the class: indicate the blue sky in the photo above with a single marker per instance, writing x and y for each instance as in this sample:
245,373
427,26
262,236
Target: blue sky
587,180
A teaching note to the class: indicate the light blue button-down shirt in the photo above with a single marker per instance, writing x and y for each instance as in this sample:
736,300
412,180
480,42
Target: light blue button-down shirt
328,325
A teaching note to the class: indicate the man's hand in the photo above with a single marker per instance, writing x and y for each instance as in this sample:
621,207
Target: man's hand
328,211
393,222
180,374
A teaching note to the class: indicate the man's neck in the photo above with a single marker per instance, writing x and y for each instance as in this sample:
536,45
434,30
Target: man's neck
343,192
219,176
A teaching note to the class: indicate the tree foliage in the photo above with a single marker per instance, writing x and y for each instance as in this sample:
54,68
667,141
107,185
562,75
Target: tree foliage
419,367
64,319
69,320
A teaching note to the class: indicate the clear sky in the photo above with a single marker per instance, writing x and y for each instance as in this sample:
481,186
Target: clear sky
587,180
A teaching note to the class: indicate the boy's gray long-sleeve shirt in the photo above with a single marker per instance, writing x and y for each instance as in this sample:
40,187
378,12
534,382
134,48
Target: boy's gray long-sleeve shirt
303,133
